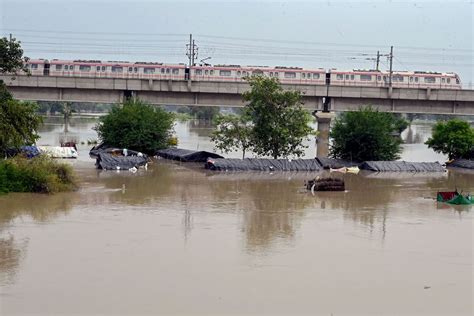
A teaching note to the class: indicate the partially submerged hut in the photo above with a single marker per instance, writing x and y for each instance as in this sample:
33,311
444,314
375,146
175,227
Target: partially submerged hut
186,155
462,163
401,166
256,164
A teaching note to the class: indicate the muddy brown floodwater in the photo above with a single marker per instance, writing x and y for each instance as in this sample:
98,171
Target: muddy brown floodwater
182,241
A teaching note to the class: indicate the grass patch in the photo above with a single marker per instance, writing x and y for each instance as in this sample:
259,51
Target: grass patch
40,174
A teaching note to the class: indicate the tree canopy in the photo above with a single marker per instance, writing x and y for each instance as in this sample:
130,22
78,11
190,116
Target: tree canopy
18,120
366,134
454,138
232,133
275,123
136,125
11,56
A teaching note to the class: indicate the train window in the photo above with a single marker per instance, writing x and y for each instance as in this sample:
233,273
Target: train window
224,73
379,78
162,70
397,78
211,72
339,76
365,77
175,71
411,79
448,80
206,72
430,79
290,75
244,73
443,80
103,68
303,75
347,77
385,78
198,72
238,73
135,69
71,67
34,66
276,74
66,67
117,69
149,70
416,79
98,68
352,77
59,67
130,69
315,76
457,81
271,74
167,70
84,68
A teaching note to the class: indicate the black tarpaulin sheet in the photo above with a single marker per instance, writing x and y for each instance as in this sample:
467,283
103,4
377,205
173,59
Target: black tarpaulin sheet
462,163
113,162
331,163
256,164
401,166
186,155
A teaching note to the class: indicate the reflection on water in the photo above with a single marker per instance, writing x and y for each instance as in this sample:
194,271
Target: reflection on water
40,208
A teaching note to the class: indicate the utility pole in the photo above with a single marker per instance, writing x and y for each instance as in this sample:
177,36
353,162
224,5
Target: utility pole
191,51
11,37
378,61
391,63
195,53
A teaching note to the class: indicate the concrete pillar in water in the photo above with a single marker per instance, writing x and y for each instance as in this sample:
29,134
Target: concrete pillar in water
322,139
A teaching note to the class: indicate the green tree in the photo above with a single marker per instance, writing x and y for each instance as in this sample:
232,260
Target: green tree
18,120
11,56
232,133
454,138
280,124
204,112
366,134
136,125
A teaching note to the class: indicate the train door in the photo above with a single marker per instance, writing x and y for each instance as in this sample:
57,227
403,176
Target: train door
46,69
187,73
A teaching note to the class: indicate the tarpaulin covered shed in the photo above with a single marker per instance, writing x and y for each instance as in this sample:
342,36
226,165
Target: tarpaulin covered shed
58,152
401,166
108,161
256,164
331,163
462,163
186,155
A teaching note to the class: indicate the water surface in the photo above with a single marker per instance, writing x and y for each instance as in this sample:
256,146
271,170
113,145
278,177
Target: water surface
177,239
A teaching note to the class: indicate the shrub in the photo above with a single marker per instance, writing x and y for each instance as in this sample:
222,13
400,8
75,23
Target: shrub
40,174
136,125
366,134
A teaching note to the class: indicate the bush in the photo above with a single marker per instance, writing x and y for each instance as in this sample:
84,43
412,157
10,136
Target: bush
365,135
454,138
40,174
138,126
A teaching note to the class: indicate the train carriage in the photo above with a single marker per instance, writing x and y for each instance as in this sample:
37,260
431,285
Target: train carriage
237,73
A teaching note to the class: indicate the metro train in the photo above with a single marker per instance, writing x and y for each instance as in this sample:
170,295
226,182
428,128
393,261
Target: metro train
236,73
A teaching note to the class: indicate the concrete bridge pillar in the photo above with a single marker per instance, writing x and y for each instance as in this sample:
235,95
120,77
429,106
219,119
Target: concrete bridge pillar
322,139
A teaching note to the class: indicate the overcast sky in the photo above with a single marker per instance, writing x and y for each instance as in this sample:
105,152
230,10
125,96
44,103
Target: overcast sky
426,35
